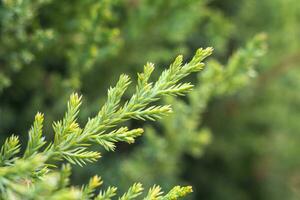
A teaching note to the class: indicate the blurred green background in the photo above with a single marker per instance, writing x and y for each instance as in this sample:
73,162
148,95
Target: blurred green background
236,137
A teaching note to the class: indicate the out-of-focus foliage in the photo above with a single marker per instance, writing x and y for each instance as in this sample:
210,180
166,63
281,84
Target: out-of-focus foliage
49,48
68,45
253,152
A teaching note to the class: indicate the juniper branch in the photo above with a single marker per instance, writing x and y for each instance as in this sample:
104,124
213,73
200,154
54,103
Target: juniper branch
71,141
112,113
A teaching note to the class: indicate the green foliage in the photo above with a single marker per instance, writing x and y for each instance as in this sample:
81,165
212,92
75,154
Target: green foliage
34,176
164,150
9,149
69,38
243,161
244,131
66,49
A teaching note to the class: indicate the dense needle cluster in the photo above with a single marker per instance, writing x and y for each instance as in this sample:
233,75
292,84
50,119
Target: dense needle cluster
34,174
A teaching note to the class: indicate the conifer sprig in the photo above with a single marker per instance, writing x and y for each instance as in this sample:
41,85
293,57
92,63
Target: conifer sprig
71,142
36,140
9,149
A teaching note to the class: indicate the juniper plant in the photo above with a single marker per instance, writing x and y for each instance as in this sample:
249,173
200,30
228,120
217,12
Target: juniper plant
34,174
178,136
